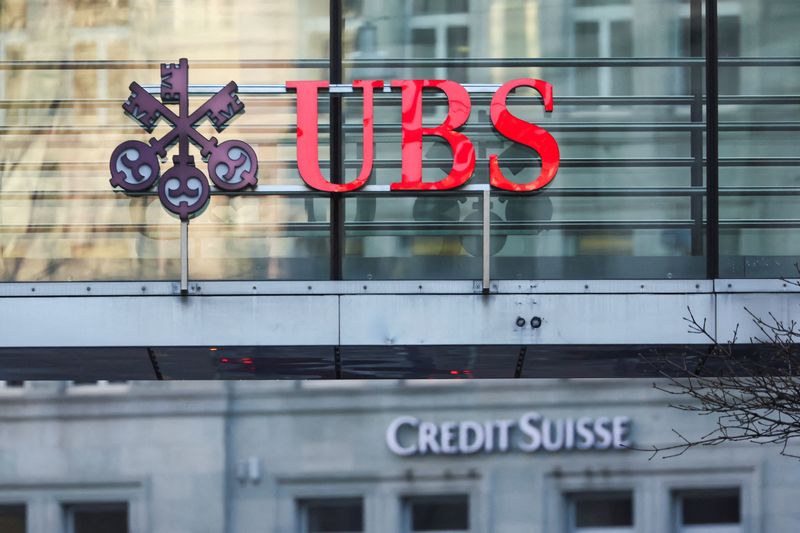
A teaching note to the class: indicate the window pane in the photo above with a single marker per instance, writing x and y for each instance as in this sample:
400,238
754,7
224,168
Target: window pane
759,180
622,46
628,200
100,518
334,516
586,45
446,513
603,511
710,509
62,119
12,519
457,48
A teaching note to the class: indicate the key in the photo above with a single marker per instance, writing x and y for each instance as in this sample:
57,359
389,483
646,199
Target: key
144,107
220,108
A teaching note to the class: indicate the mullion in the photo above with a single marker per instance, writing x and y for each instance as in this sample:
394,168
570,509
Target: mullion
335,71
712,141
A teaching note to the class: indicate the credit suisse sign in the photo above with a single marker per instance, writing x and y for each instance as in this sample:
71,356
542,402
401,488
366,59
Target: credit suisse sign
530,433
233,164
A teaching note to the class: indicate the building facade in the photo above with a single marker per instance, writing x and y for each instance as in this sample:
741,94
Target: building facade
676,194
676,122
376,456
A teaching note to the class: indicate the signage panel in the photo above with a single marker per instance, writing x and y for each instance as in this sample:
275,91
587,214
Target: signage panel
530,433
233,164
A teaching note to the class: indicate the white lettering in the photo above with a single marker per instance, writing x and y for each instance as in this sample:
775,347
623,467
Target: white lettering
448,436
526,425
552,434
407,435
569,434
393,441
489,441
585,435
427,438
504,427
620,427
603,433
464,444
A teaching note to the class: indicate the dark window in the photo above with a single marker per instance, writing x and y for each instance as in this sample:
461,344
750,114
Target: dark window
606,510
587,35
12,518
730,37
423,42
439,513
431,7
621,46
98,518
710,508
342,516
457,48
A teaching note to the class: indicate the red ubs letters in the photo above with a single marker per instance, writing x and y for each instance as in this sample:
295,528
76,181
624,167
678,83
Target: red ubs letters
459,106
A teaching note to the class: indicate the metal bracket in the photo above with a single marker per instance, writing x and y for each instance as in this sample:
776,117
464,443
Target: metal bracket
487,251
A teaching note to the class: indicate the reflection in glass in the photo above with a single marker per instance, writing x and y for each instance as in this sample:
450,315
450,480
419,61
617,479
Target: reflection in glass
627,202
759,176
61,117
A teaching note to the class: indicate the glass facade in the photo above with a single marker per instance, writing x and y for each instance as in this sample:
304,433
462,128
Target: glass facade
630,200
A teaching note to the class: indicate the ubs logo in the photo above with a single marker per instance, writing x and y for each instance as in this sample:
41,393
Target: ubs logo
233,166
183,189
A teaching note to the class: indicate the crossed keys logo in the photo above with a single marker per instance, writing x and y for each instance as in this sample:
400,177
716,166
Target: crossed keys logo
183,189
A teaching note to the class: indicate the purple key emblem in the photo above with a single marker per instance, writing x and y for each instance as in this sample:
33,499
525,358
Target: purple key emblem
183,189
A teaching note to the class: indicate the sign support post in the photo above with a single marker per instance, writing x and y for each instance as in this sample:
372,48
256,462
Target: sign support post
487,227
184,257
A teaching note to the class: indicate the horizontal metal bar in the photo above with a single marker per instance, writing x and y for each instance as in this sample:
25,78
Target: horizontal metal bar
393,287
98,288
476,98
467,190
409,62
372,190
395,128
107,64
731,162
526,62
770,99
565,162
760,61
759,126
372,229
759,161
201,226
379,128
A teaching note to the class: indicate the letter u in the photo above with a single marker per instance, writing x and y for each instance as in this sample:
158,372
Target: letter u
308,134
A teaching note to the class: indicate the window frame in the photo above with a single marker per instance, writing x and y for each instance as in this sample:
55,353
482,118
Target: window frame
408,517
69,508
571,506
678,496
303,505
604,16
11,501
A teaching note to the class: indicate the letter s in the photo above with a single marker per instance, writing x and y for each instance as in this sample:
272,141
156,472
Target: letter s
525,133
526,425
602,428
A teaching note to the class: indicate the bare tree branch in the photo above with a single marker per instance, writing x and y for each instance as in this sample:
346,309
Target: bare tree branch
754,394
